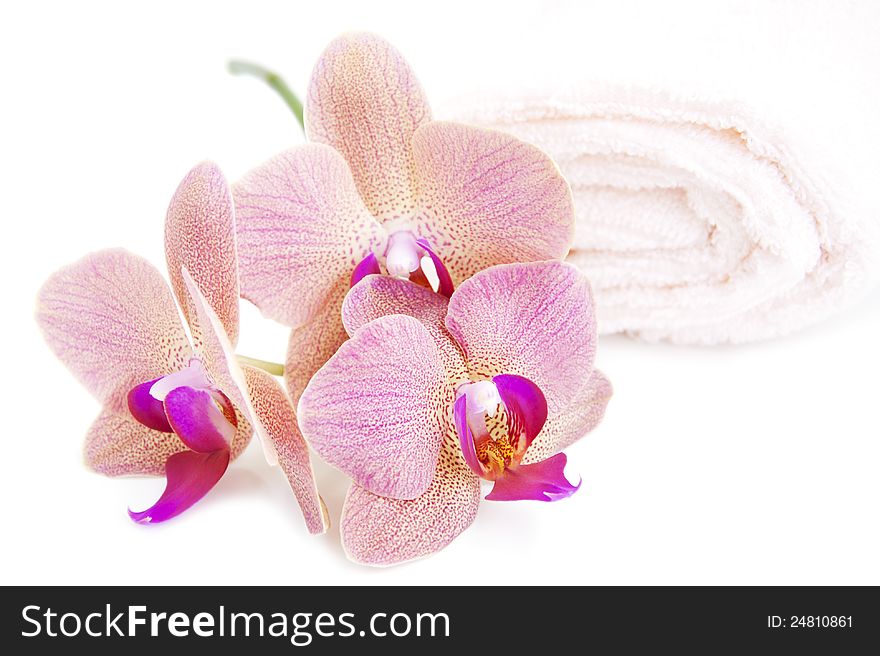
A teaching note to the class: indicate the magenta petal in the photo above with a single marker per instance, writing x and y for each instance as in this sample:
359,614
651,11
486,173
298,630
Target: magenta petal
190,476
465,436
446,284
146,408
364,268
525,403
542,481
197,420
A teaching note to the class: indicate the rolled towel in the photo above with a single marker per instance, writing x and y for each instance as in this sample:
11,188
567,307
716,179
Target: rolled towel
724,165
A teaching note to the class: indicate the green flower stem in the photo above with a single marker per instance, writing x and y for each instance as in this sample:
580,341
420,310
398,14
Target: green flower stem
238,67
269,367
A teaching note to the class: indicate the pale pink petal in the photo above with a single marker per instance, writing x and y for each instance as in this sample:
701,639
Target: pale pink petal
378,409
488,198
312,344
534,320
364,100
274,418
111,319
117,445
301,227
200,235
190,476
217,355
380,532
379,296
565,427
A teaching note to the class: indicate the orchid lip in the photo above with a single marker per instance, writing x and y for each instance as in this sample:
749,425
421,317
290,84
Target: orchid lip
408,258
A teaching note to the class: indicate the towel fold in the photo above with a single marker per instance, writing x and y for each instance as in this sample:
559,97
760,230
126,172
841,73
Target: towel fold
696,222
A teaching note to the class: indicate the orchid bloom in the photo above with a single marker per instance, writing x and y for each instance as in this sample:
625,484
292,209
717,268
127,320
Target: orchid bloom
170,406
430,395
382,188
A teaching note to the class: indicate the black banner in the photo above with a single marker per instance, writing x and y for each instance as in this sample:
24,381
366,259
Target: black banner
432,620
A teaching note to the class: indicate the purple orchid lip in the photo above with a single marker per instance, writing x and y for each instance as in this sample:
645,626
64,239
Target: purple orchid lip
526,406
446,286
197,420
190,476
541,481
466,437
146,408
368,265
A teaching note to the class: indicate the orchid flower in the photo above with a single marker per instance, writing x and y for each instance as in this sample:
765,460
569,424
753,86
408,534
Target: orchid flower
170,406
430,395
383,188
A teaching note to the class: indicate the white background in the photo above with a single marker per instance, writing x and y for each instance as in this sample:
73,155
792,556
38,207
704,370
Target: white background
754,464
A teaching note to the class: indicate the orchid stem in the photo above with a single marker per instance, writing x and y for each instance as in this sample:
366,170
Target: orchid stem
238,67
269,367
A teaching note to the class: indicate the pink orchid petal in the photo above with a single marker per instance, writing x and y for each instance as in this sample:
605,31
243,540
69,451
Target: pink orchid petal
117,445
533,320
380,532
146,408
190,476
525,403
111,319
446,285
364,100
301,227
312,344
217,355
368,265
487,198
565,427
541,481
197,420
275,418
200,235
379,296
377,409
465,436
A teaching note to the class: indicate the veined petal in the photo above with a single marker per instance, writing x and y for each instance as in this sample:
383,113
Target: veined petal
274,417
379,296
378,410
197,420
364,100
190,476
312,344
117,445
111,319
380,532
541,481
565,427
146,408
217,355
301,227
487,198
200,235
535,320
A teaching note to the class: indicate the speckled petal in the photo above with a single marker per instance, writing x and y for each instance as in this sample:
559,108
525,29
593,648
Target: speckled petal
190,477
364,100
378,409
534,320
200,235
111,319
564,428
488,198
301,226
312,344
380,532
275,419
379,296
217,355
117,445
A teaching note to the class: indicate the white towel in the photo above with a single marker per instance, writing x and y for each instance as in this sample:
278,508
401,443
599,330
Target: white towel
733,201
